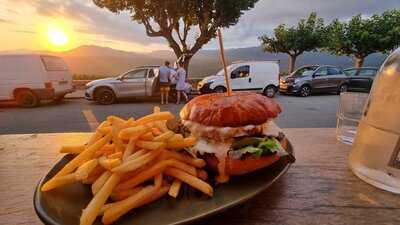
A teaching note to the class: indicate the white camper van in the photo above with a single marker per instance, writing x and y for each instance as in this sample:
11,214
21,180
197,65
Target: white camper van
29,78
259,76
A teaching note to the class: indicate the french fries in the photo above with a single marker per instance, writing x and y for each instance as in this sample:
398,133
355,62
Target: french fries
63,180
86,155
90,213
148,136
72,149
136,163
85,169
196,162
147,194
153,171
119,160
186,142
121,195
129,149
175,187
191,180
127,133
164,136
155,117
151,145
108,163
98,184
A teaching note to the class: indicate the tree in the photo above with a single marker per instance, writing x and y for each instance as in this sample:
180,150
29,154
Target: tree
294,41
175,19
360,37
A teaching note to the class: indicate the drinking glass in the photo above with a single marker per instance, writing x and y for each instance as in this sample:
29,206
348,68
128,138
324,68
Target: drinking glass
350,110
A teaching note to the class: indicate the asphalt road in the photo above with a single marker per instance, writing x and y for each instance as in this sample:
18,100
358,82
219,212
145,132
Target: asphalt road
79,115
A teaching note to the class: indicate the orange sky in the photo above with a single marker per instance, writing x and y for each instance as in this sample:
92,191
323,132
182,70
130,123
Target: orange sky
23,28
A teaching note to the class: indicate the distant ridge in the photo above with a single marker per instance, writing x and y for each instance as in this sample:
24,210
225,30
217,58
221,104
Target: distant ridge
105,61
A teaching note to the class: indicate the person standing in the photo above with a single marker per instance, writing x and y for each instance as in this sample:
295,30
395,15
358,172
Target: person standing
164,77
181,83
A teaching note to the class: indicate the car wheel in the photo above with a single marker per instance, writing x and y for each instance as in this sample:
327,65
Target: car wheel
220,89
105,96
270,91
342,88
27,99
305,91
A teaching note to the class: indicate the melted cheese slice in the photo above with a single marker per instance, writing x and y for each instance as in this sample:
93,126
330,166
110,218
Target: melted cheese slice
220,150
268,128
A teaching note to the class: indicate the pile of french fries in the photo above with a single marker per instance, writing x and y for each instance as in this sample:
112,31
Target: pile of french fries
130,163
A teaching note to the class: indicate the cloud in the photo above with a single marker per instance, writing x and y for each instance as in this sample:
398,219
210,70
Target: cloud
266,15
5,21
96,21
25,31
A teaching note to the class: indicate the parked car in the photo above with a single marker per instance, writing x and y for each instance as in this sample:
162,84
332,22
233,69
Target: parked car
361,79
138,82
314,79
29,78
259,76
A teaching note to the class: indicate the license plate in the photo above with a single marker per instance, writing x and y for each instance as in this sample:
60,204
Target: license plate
63,82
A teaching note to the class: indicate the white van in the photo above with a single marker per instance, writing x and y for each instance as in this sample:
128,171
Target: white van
259,76
29,78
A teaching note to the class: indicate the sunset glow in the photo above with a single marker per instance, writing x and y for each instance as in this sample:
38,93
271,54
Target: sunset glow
57,37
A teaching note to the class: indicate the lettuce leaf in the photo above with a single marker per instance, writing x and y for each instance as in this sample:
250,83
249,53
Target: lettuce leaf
265,146
269,144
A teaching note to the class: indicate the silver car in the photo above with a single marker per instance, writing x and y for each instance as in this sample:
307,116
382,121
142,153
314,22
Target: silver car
139,82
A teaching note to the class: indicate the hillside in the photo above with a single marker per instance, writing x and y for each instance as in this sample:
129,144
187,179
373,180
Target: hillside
95,60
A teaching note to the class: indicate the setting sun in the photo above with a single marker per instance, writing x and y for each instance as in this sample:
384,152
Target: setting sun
57,37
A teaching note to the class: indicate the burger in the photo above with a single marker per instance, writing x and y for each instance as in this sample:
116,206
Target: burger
235,134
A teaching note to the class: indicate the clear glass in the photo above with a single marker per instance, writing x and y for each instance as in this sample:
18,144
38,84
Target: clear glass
349,113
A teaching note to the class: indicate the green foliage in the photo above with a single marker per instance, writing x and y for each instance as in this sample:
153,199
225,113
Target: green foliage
308,35
360,36
175,19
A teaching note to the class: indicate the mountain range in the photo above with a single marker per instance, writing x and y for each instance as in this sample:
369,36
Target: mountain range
104,61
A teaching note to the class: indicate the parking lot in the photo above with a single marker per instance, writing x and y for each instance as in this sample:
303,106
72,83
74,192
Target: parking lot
79,115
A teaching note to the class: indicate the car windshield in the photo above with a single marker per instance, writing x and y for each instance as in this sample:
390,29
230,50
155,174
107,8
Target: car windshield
304,71
350,72
221,72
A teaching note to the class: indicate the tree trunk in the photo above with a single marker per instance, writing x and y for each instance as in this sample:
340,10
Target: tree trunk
292,63
359,61
186,62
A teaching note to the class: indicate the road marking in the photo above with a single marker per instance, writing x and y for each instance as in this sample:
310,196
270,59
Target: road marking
91,119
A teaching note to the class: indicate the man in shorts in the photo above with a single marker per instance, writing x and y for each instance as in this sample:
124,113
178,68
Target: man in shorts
164,76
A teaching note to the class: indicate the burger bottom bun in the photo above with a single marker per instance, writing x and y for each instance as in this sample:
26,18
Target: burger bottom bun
241,166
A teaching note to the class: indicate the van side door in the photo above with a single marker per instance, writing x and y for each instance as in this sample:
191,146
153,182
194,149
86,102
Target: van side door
132,84
241,79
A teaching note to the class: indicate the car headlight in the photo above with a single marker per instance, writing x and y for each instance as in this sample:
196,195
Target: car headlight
89,85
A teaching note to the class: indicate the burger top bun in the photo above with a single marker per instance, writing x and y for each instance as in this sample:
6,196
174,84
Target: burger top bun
239,109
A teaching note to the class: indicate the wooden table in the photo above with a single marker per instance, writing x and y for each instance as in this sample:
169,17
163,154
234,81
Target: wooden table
318,189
